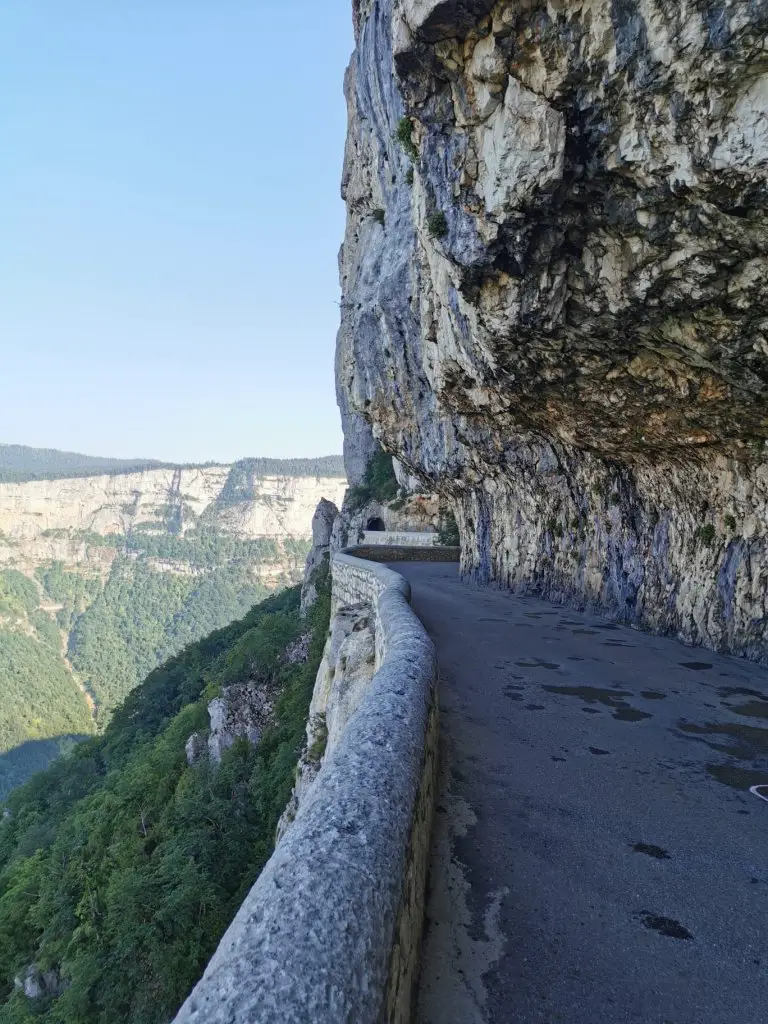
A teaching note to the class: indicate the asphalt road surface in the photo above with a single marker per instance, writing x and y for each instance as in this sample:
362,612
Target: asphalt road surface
598,857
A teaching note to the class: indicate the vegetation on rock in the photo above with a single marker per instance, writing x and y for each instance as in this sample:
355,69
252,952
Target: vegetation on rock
437,223
448,528
404,136
19,463
121,867
379,483
42,706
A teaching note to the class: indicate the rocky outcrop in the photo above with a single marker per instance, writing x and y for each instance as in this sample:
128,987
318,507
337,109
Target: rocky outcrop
195,748
243,711
558,321
346,670
322,530
37,984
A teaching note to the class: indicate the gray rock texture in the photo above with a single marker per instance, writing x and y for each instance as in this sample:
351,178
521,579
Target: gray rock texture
345,673
410,513
243,711
325,516
37,984
297,653
562,324
330,932
195,748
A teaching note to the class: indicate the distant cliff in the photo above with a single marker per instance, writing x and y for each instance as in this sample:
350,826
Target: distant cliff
555,292
104,577
55,519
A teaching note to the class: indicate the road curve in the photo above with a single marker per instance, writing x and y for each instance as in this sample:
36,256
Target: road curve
598,857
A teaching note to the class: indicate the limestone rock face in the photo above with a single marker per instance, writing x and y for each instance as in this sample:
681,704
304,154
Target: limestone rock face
322,530
346,670
195,748
35,983
44,520
243,711
348,665
562,324
297,653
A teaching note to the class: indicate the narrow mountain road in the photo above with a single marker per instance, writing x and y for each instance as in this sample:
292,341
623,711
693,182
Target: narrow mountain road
598,857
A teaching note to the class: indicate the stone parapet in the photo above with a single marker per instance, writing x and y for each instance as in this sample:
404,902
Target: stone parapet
401,537
330,931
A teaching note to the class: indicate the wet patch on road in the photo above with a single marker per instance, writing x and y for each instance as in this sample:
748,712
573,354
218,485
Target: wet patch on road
653,695
631,715
658,852
536,663
597,750
740,691
696,666
741,742
591,694
748,741
665,926
737,778
511,694
752,709
622,711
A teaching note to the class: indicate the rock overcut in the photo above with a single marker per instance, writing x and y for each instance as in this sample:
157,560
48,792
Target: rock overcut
555,307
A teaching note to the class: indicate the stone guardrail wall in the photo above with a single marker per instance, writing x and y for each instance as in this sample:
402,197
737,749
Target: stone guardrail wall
400,538
330,932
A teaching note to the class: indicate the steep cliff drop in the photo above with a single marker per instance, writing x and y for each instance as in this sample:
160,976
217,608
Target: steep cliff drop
555,294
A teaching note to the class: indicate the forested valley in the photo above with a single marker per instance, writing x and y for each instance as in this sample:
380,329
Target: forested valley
122,865
109,571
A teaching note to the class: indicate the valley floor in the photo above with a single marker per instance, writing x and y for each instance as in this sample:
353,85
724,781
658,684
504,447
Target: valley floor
597,852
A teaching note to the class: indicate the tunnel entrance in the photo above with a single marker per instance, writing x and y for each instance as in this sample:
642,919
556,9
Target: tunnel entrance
376,525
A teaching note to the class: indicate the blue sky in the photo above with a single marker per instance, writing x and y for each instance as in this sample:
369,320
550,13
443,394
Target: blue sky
169,225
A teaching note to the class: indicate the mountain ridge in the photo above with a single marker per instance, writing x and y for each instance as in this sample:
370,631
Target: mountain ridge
23,463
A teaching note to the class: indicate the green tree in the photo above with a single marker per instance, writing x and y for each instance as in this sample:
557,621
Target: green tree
122,865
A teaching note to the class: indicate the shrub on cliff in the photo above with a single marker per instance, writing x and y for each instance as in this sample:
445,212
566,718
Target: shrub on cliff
379,483
404,136
438,224
448,528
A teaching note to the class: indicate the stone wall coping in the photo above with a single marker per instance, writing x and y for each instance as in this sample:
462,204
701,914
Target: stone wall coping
406,538
315,939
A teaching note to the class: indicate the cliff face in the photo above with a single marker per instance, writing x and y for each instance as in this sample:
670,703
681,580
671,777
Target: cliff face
44,520
103,578
561,323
